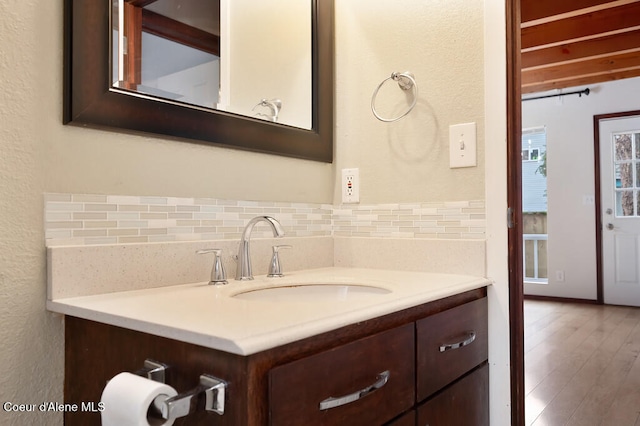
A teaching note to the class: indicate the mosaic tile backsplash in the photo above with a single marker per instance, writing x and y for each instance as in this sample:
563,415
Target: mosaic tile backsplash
77,219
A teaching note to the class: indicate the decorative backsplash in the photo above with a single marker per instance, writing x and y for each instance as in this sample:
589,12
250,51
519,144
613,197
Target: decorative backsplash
448,220
77,219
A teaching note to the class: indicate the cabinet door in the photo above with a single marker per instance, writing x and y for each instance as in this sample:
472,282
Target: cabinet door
466,402
346,385
450,344
408,419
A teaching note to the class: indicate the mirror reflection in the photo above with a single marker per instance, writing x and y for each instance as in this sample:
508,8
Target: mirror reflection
247,57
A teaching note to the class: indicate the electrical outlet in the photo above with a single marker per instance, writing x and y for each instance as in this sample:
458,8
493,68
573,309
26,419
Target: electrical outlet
350,185
560,276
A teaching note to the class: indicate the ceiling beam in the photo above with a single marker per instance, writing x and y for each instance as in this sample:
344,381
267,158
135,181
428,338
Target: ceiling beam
583,50
579,81
140,3
178,32
570,75
571,43
534,10
580,27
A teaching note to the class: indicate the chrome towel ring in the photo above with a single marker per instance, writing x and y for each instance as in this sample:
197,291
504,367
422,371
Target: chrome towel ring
406,81
275,105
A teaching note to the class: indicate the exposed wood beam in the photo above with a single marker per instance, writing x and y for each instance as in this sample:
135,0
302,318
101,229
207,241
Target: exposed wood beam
571,43
171,29
579,81
533,10
624,62
140,3
585,72
571,52
539,12
582,26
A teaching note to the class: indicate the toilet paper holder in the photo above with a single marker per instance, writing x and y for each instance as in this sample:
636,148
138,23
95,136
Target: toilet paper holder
153,370
210,388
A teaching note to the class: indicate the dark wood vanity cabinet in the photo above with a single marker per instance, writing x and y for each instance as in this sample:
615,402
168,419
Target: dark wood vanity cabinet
345,378
452,370
465,402
389,370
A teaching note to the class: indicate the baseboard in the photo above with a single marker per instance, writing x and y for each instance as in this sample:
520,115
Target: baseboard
560,299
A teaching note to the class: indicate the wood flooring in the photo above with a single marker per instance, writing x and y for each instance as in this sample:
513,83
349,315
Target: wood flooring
581,364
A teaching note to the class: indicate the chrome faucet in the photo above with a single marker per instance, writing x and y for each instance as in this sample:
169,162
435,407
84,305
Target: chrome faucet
243,272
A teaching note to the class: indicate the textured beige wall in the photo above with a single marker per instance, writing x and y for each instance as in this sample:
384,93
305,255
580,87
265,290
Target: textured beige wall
31,352
90,161
38,154
441,43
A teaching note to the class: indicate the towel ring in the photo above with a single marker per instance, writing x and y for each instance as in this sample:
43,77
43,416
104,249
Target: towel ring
406,81
275,105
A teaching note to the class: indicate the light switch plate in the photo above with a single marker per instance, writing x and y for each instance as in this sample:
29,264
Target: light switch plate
462,145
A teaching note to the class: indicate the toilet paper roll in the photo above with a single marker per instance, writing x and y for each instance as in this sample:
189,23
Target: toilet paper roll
127,399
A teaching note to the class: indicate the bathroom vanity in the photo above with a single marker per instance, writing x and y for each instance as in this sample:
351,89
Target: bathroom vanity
415,355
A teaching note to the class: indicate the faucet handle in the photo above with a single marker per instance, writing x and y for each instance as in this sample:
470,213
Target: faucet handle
275,270
218,276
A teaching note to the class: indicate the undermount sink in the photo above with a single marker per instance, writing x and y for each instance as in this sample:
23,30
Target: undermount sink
312,293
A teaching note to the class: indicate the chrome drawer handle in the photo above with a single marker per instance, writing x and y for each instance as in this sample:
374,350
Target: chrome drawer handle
450,346
332,402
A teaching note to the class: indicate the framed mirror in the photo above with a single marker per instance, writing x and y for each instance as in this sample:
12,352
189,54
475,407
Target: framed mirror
98,94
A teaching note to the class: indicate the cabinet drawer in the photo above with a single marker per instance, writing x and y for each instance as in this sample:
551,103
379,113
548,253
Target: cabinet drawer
466,402
347,375
449,344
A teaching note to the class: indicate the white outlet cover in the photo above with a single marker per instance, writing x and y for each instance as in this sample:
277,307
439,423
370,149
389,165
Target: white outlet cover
462,145
350,186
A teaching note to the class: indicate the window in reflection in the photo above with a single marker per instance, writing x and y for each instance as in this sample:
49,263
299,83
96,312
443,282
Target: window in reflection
168,49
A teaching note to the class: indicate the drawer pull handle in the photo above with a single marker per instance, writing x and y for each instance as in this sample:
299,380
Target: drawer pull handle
450,346
332,402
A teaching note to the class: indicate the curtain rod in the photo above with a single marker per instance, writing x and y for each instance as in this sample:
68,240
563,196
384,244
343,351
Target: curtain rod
578,92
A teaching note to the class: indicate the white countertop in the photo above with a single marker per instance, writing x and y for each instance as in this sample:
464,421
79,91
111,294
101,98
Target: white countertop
210,316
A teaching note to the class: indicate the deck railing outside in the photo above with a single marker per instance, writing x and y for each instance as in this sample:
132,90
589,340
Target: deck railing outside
535,258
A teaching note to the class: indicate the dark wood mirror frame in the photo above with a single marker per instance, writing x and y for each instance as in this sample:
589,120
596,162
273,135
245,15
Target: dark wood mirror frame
90,102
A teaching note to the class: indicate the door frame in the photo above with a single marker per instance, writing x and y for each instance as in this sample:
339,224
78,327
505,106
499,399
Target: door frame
514,202
596,167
